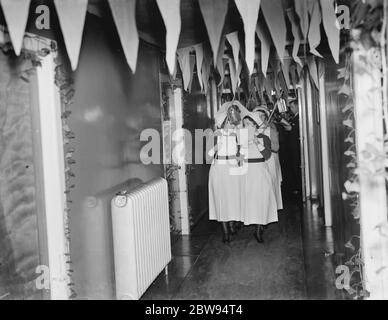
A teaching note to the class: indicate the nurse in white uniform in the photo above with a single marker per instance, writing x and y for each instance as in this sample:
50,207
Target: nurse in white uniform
258,200
224,179
273,162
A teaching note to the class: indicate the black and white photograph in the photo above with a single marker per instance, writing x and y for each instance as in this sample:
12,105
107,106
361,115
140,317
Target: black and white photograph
193,156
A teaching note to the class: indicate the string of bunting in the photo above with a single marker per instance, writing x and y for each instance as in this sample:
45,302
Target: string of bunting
264,23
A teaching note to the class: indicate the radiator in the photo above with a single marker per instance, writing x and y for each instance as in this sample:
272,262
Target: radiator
141,238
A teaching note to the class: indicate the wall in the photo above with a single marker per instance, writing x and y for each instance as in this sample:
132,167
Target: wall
344,225
111,108
20,196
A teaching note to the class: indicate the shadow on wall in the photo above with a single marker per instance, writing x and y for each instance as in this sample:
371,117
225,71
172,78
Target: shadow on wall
111,108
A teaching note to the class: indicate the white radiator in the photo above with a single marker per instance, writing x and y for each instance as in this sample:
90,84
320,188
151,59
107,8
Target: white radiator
141,238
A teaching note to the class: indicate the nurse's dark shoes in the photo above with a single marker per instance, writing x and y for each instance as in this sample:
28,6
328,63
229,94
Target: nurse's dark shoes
226,238
259,234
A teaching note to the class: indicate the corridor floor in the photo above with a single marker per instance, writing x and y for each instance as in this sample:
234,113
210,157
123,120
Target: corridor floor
204,268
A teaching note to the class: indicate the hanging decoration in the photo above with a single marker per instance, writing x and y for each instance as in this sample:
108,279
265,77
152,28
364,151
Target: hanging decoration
274,16
286,71
199,61
170,11
187,67
205,70
235,43
123,12
265,47
234,75
314,35
220,61
329,23
249,11
296,34
16,16
71,15
214,13
301,8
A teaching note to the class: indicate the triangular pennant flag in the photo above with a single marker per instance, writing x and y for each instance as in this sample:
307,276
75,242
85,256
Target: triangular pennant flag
274,16
214,13
206,70
301,9
71,15
123,12
296,34
235,43
16,16
199,61
313,70
329,23
171,14
234,75
315,29
249,11
283,84
192,65
268,87
293,75
265,47
220,61
286,71
185,65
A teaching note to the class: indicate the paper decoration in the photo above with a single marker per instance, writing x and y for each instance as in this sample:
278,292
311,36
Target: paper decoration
234,75
274,16
249,11
265,47
206,70
16,16
301,8
286,71
199,61
171,14
185,65
297,37
313,70
268,86
294,77
330,25
235,43
220,61
71,15
123,12
192,60
314,35
214,13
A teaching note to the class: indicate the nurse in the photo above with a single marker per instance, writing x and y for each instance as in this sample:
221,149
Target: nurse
273,162
258,200
224,179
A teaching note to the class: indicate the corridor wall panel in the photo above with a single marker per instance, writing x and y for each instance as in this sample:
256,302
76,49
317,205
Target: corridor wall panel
111,108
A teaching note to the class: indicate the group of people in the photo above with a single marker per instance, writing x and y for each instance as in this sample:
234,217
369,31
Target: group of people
245,176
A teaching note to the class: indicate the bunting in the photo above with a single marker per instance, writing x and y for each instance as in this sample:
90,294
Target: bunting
214,13
265,47
199,61
171,14
71,15
235,43
249,11
330,26
301,8
16,16
220,61
274,16
296,34
314,35
185,65
286,71
234,75
123,12
205,70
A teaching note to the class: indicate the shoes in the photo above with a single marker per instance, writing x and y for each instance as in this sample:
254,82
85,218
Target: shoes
232,229
259,234
226,238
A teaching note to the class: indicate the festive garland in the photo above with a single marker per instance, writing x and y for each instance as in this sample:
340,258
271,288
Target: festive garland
66,88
